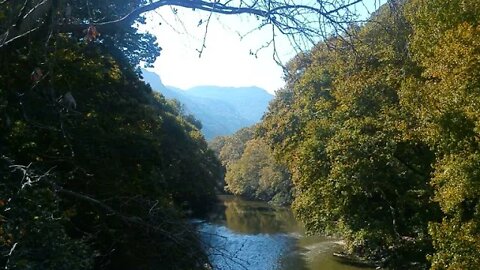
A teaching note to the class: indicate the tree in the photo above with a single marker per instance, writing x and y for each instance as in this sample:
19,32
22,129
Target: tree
251,170
359,168
101,184
446,45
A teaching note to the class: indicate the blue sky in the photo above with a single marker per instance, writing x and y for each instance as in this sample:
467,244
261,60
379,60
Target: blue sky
226,60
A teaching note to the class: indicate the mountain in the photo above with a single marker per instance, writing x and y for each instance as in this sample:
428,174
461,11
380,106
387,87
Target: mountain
156,83
222,110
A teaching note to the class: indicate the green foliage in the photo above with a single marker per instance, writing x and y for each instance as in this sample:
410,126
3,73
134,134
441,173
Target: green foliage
446,45
381,135
100,183
349,131
33,236
230,148
251,170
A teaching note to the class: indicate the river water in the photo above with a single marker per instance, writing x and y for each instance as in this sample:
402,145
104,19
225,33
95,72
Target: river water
240,234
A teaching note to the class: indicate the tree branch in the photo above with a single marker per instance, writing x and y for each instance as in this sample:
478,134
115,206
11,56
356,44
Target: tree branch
288,17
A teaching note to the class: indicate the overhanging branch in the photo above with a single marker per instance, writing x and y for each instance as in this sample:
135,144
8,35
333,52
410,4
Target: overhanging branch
288,17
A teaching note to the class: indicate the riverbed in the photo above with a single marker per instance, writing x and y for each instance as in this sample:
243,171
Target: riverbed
240,234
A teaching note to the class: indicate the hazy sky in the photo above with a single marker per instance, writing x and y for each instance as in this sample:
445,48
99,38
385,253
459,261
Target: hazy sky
225,61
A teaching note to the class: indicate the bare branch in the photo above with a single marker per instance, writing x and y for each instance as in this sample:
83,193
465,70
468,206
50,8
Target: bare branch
27,24
29,177
288,17
4,41
200,51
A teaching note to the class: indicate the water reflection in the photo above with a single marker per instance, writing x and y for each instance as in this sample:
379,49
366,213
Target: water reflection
241,234
248,217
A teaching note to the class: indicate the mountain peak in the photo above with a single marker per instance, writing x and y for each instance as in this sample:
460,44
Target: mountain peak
222,110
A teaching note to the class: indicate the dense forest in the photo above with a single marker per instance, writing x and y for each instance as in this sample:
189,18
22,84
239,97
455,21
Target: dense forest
251,171
95,169
379,128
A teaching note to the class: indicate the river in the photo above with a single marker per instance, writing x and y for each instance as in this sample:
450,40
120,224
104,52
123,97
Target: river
240,234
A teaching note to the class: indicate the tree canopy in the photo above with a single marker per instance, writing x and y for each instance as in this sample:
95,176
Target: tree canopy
251,169
379,129
95,168
96,177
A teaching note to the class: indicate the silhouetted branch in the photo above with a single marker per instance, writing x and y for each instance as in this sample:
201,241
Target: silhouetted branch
288,17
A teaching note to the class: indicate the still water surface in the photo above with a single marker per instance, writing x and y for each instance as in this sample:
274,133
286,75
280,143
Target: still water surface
242,234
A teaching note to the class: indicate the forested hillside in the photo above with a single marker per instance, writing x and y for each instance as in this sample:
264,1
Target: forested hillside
251,170
95,168
380,130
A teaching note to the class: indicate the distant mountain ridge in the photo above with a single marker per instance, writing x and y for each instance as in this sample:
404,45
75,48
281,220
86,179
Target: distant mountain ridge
222,110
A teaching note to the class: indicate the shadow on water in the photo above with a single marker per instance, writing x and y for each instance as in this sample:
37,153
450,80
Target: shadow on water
241,234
